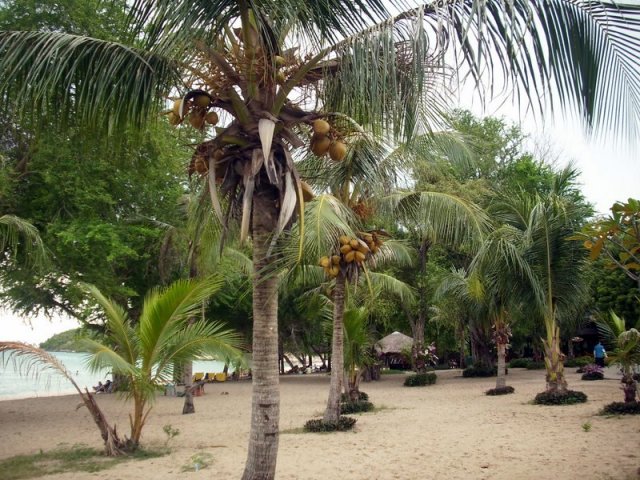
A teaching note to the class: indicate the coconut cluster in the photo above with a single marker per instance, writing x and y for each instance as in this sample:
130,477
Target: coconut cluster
354,251
326,140
196,109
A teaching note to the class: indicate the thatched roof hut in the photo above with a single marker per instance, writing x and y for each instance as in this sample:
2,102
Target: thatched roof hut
393,348
395,343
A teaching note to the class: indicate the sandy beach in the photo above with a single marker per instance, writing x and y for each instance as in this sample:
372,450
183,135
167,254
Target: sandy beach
450,430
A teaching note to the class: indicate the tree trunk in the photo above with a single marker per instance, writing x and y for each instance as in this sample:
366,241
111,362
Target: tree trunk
332,412
417,325
554,362
187,379
501,379
265,402
462,340
480,341
113,446
417,348
630,388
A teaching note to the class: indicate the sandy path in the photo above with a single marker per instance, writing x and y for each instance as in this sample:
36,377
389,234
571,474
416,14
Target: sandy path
450,430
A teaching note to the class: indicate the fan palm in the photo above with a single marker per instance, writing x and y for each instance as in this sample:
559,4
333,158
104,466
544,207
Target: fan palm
626,351
357,56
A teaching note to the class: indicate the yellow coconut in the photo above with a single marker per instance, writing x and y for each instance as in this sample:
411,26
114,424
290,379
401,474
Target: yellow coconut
354,243
202,100
349,257
325,262
212,118
344,249
335,259
280,61
321,127
334,271
337,151
359,256
374,249
344,240
363,248
320,146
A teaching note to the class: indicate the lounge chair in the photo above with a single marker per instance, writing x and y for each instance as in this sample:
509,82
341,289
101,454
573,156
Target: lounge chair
197,377
221,377
210,377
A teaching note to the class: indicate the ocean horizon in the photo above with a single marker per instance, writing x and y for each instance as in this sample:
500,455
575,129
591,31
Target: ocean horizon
50,383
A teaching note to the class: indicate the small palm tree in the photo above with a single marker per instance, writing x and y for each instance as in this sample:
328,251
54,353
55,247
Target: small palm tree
626,351
144,355
358,343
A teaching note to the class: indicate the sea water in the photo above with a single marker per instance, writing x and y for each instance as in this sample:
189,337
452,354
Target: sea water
49,382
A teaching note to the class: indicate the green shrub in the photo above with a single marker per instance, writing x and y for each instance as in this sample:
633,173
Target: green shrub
520,362
593,376
356,407
420,380
500,391
622,408
578,361
342,425
479,371
557,398
535,365
362,396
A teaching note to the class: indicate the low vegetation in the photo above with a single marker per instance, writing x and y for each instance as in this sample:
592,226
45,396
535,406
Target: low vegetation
622,408
500,391
560,398
342,425
420,380
78,458
479,371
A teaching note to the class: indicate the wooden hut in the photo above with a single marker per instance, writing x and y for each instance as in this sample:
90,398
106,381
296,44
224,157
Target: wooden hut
395,351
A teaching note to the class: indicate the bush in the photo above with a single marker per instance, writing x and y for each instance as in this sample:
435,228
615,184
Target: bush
342,425
362,396
480,371
420,380
557,398
500,391
578,362
593,376
622,408
356,407
520,362
535,365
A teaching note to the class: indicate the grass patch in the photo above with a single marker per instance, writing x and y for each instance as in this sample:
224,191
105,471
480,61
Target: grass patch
197,462
78,458
420,380
500,391
342,425
621,408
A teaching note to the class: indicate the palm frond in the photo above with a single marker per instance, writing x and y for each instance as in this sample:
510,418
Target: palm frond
31,361
441,217
17,234
392,252
382,282
106,84
117,323
165,310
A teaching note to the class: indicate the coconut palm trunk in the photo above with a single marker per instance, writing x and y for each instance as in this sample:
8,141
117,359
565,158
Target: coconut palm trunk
263,438
332,412
187,379
501,379
553,360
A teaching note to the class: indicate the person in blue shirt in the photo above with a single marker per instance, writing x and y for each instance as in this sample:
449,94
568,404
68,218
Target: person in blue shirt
599,354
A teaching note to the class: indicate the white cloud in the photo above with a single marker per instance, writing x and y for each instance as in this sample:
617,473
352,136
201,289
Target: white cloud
34,331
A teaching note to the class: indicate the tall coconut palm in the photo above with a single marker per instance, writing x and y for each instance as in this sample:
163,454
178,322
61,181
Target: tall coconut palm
356,56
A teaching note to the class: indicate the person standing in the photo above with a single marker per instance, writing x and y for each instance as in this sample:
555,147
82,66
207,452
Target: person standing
599,354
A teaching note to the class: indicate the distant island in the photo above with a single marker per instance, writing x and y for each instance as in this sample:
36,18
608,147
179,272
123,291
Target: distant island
67,341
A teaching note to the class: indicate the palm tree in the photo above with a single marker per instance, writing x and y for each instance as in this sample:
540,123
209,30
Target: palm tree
358,344
626,351
356,57
145,355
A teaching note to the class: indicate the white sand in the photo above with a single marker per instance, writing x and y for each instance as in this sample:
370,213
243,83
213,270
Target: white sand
450,430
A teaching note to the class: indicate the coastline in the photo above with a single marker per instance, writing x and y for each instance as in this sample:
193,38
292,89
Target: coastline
450,430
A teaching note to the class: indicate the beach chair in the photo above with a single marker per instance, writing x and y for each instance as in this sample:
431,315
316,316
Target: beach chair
210,377
197,377
221,377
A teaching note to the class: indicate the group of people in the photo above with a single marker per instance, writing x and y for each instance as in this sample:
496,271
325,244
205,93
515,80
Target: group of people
105,387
